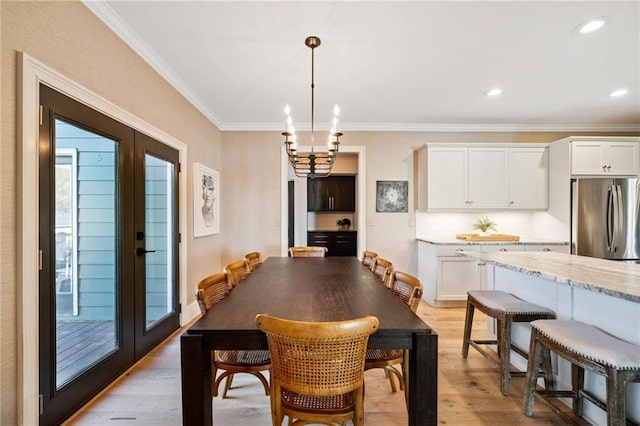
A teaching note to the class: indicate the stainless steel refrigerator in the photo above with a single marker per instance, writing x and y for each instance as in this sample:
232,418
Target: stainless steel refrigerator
605,218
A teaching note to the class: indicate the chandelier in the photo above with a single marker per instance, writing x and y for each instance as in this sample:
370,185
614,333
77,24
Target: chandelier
315,163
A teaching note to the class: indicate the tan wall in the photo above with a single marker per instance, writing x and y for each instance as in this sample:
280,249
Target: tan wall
69,38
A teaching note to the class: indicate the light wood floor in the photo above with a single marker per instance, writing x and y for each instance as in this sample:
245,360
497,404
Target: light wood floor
468,389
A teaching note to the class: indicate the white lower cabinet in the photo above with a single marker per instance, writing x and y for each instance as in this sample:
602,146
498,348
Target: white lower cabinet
446,276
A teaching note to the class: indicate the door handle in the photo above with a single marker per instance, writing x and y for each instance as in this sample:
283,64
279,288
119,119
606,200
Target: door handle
140,251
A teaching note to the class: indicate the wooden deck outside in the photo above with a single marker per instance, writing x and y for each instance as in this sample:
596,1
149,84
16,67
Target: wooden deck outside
79,344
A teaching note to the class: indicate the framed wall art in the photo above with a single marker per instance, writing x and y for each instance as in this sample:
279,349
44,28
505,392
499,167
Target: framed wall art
206,195
392,196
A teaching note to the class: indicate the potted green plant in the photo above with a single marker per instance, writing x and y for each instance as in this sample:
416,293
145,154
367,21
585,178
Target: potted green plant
484,224
344,223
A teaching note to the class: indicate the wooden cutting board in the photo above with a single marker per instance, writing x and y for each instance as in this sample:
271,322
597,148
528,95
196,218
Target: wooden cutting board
490,237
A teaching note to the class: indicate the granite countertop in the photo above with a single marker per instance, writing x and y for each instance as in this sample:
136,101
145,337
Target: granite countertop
617,279
452,240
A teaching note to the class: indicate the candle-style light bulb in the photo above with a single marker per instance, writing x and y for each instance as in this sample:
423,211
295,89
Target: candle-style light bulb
289,124
287,110
336,110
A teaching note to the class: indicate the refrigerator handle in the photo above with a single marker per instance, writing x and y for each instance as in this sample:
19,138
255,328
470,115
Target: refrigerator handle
610,213
617,217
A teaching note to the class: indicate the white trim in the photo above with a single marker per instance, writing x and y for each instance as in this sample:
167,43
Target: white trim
31,73
361,195
107,15
438,127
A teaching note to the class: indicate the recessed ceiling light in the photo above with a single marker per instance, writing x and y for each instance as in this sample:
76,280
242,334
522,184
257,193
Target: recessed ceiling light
591,26
619,92
494,92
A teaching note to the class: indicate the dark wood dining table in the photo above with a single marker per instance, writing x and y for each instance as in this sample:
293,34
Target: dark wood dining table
308,289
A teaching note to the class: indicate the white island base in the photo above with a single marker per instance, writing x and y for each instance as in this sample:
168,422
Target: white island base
602,293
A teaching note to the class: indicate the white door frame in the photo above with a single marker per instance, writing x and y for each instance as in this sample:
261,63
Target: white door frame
31,74
361,194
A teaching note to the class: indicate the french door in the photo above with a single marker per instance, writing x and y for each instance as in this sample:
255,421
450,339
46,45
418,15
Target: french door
108,285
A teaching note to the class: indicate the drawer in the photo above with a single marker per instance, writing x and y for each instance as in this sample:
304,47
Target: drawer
558,248
450,250
502,247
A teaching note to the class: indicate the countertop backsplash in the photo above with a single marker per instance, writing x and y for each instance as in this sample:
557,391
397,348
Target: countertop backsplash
445,225
327,221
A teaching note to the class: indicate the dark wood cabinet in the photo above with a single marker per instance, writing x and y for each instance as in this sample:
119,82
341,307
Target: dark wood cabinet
333,193
338,243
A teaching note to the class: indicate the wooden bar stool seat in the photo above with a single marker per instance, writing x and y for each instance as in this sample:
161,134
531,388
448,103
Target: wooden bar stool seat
506,309
585,346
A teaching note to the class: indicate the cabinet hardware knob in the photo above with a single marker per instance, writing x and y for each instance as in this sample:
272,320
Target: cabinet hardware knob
546,249
482,263
510,202
503,249
459,250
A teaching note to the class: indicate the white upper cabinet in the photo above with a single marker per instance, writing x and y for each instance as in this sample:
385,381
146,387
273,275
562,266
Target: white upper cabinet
482,177
528,178
604,157
488,178
447,177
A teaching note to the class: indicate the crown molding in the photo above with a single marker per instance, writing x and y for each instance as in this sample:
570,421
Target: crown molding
439,127
106,14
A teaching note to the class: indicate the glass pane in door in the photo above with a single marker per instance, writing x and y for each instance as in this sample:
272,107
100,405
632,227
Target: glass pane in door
159,223
85,250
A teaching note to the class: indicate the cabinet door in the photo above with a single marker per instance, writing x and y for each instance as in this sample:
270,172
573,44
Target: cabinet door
344,244
456,276
447,178
488,178
587,158
317,195
343,193
622,158
528,178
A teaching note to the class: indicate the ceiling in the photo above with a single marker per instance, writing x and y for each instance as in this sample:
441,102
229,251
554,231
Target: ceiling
394,66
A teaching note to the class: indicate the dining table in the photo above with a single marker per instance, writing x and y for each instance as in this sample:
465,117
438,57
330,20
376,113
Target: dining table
308,289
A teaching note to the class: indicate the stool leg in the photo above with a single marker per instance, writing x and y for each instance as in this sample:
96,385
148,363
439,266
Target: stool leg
468,322
504,353
549,382
577,384
616,382
535,352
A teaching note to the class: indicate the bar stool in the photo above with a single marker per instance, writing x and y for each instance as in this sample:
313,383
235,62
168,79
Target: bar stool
585,346
506,309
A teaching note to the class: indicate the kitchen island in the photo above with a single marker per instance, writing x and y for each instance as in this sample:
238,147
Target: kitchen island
447,277
599,292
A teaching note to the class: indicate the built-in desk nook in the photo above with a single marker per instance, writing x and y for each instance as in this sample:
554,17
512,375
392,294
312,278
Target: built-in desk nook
602,293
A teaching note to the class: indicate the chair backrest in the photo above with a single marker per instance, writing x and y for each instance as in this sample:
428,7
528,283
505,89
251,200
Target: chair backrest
307,251
368,257
407,287
383,270
317,358
237,271
211,290
254,258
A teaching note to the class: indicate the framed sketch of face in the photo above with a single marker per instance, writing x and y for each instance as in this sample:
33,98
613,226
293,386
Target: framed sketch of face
206,194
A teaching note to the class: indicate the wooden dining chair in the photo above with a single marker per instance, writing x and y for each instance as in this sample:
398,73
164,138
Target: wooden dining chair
237,271
317,373
307,251
383,270
368,257
408,289
254,258
210,291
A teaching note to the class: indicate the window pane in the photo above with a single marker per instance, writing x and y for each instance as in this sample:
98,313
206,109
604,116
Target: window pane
85,248
159,201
